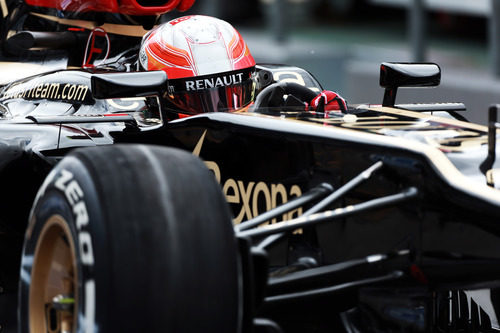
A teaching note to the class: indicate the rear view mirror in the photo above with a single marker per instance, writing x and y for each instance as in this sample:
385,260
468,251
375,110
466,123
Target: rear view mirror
395,75
132,84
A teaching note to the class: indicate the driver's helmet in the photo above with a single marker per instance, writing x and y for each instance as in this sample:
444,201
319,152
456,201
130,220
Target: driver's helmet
208,64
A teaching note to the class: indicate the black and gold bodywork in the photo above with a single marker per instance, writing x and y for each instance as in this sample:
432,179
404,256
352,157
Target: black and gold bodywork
427,260
404,266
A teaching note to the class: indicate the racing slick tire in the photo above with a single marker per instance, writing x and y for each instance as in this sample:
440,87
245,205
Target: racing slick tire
130,238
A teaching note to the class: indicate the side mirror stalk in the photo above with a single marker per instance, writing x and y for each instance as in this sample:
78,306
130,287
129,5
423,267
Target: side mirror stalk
492,134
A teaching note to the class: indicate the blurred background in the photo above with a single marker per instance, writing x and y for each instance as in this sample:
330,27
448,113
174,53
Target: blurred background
343,42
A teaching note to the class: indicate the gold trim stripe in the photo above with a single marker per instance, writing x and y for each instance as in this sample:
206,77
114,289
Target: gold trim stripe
437,159
5,9
117,29
199,145
428,117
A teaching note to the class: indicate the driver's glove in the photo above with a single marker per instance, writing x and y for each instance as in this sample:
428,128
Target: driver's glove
328,101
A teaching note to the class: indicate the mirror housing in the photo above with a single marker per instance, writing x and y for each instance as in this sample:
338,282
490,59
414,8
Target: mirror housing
395,75
131,84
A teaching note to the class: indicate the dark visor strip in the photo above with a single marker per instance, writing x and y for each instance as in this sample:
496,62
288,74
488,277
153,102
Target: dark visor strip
200,83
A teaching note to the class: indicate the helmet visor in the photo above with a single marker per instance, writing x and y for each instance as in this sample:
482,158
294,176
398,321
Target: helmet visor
226,91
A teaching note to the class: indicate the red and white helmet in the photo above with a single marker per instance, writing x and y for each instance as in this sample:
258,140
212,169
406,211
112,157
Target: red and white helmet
207,62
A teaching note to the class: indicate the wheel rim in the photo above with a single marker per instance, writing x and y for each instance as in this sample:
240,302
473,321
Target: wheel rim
53,288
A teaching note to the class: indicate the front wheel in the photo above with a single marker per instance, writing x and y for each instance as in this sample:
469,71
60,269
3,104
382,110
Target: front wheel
130,239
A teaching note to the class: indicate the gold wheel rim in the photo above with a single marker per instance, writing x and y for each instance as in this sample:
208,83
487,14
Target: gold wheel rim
54,273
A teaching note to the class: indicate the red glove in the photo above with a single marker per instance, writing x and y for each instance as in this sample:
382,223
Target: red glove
331,101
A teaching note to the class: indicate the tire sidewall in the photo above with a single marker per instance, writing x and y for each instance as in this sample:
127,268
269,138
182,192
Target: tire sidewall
157,262
70,193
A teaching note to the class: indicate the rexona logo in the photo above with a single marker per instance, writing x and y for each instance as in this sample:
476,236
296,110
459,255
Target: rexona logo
254,197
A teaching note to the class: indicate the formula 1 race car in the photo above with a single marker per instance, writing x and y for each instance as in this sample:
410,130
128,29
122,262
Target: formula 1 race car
382,218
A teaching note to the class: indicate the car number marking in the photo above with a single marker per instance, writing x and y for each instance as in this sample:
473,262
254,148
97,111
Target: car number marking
293,77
